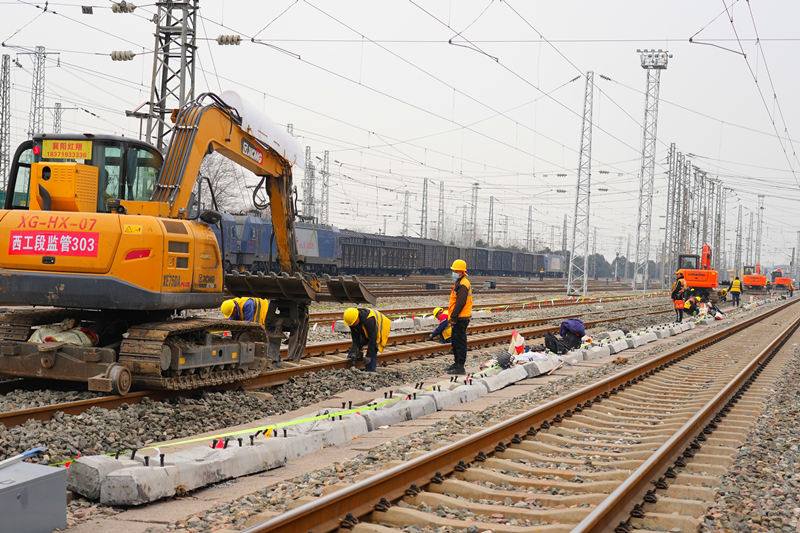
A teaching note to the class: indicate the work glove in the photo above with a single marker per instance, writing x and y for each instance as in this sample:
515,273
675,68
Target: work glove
430,337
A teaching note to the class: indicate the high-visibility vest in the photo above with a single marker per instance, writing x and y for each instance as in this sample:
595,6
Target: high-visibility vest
736,286
383,325
259,312
466,312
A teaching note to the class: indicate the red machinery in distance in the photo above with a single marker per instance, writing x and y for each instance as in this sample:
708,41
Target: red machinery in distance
701,279
753,280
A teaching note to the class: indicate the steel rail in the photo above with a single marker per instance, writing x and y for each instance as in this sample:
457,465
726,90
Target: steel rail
329,316
328,512
618,505
290,370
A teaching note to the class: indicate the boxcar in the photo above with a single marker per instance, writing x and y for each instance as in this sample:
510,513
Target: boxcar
500,262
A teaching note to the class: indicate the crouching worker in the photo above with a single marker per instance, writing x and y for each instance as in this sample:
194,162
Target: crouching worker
444,331
572,331
368,328
692,306
246,309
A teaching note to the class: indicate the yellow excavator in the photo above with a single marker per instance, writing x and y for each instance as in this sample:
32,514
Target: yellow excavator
105,232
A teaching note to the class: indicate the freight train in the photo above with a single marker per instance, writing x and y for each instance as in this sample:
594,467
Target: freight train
249,245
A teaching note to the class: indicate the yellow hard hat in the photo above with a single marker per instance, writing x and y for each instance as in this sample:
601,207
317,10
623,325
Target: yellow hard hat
227,308
437,311
350,316
687,304
459,265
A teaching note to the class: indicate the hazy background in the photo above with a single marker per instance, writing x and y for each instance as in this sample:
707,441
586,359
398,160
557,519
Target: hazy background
378,84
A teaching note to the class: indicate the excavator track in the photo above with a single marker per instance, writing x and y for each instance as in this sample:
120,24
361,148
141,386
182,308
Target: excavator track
16,325
144,346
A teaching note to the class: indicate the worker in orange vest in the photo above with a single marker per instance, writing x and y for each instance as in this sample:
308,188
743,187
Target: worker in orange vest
459,311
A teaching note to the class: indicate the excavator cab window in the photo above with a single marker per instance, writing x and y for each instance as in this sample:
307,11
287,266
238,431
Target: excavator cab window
20,177
688,262
749,271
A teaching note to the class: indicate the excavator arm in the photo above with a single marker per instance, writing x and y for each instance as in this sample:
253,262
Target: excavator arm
228,126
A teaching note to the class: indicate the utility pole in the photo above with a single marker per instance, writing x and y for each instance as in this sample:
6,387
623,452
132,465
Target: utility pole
490,235
552,238
5,119
474,218
653,61
505,229
529,235
36,121
737,258
326,174
760,226
423,226
576,278
594,252
564,235
440,222
173,66
308,187
405,213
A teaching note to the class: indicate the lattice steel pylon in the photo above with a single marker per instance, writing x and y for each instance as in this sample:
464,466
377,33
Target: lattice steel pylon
759,228
57,112
529,234
5,119
672,221
797,258
440,226
36,120
326,174
564,235
474,218
490,229
423,221
749,254
405,214
577,279
653,61
308,187
737,258
173,66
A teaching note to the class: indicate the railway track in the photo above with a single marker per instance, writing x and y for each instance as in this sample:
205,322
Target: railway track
329,316
329,356
636,451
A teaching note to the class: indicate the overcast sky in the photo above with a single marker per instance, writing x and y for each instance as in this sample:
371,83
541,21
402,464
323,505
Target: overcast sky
378,85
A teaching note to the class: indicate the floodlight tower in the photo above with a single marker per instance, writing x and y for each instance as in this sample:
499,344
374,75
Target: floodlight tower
577,280
653,61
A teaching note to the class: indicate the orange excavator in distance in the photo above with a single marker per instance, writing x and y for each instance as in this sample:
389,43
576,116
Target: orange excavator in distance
105,232
753,280
779,281
701,279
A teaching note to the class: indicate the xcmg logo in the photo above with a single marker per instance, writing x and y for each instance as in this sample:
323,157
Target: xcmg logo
252,151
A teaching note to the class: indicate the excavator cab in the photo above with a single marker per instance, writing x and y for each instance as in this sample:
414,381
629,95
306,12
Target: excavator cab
81,173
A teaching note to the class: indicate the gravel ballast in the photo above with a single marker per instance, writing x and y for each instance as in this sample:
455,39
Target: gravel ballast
761,492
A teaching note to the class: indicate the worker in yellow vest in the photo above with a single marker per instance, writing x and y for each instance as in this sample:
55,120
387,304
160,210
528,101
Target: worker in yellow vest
247,309
444,331
459,313
735,290
369,328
